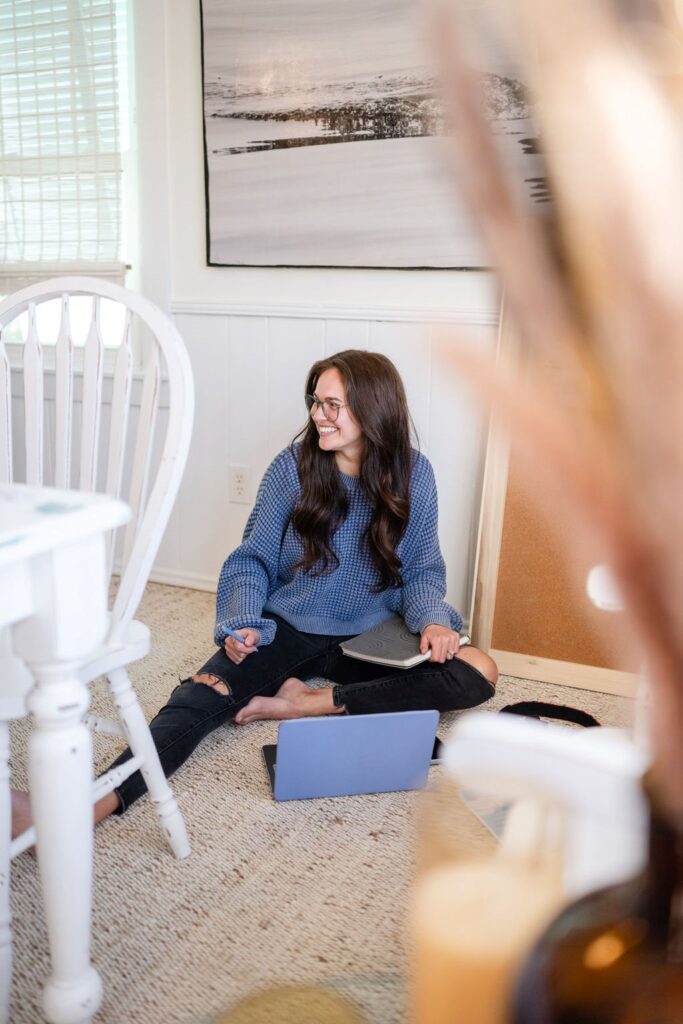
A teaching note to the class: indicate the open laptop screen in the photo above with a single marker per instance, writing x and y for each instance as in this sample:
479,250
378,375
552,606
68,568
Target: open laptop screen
344,754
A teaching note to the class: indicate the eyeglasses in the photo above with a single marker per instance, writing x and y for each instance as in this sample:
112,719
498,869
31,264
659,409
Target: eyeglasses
330,408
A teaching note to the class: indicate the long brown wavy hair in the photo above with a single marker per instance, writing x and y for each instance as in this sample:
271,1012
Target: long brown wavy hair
376,397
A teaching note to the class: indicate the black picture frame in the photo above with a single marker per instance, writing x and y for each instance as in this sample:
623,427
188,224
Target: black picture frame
325,140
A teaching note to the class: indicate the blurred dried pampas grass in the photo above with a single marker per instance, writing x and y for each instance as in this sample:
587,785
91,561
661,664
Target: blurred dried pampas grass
598,283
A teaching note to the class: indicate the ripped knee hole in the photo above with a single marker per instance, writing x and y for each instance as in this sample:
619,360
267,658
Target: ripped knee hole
215,682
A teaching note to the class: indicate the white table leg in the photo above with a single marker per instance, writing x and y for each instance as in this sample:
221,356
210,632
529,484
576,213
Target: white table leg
60,773
5,927
16,684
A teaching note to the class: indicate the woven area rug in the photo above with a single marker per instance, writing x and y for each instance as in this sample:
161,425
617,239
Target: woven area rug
306,892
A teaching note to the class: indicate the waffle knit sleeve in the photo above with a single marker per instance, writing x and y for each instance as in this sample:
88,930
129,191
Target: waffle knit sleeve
424,569
249,574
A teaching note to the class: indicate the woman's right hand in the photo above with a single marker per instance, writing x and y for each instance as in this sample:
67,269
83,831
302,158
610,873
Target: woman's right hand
236,651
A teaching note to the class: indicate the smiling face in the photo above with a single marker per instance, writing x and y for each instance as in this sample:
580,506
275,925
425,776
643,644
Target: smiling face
342,435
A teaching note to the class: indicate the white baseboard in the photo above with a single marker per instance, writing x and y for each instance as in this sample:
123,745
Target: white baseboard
566,673
178,578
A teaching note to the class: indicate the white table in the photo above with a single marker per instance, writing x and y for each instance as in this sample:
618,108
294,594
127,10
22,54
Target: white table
53,612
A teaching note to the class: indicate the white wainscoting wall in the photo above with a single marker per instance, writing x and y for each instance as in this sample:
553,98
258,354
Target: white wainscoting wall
250,365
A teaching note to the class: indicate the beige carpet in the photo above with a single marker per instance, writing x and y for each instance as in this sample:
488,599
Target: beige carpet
310,892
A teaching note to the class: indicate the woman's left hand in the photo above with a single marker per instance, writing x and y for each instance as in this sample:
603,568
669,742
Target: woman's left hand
444,642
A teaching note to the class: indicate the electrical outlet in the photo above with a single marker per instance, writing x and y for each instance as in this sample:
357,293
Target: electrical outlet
240,485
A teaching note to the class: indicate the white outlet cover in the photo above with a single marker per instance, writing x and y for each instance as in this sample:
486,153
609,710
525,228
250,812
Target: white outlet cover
240,485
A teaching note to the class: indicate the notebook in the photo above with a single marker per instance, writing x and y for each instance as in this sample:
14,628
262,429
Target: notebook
390,643
342,755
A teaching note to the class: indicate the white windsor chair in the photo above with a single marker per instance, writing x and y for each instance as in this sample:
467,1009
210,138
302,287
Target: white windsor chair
79,430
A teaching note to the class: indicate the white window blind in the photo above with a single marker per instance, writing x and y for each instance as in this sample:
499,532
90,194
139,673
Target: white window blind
63,130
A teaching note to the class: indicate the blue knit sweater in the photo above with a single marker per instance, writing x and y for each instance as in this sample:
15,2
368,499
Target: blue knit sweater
258,577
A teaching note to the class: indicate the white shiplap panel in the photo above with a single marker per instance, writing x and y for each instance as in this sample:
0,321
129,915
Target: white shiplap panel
293,347
457,429
342,334
408,347
249,375
198,531
248,425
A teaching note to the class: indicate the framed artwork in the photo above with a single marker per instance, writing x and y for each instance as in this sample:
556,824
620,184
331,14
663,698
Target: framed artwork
324,137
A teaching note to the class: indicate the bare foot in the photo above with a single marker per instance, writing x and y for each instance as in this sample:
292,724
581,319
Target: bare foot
105,806
293,700
21,813
22,817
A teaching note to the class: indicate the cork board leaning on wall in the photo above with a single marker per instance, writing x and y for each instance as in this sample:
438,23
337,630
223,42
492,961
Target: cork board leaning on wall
530,607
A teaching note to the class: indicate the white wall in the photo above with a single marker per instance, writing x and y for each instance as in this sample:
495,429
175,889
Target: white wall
253,332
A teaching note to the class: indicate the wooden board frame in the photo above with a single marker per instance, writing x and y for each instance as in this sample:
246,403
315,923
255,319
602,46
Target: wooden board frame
494,489
487,563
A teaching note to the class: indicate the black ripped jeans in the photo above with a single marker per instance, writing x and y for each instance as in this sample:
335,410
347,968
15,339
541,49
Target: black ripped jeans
195,709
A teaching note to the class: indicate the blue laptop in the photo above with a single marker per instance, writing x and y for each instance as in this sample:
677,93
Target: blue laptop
341,755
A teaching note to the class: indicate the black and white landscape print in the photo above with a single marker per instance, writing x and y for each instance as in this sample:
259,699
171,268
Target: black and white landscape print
324,137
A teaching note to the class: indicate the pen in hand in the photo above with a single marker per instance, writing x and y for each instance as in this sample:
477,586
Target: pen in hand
234,635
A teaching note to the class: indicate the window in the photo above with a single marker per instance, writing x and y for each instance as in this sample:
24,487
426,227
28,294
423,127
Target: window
63,137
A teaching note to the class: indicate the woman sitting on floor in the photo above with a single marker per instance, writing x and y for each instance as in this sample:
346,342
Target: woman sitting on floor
343,535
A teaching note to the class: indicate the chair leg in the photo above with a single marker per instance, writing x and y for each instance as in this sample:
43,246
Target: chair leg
141,743
5,919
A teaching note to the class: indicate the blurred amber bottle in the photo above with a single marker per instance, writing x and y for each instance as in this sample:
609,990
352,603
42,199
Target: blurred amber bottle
614,956
476,910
